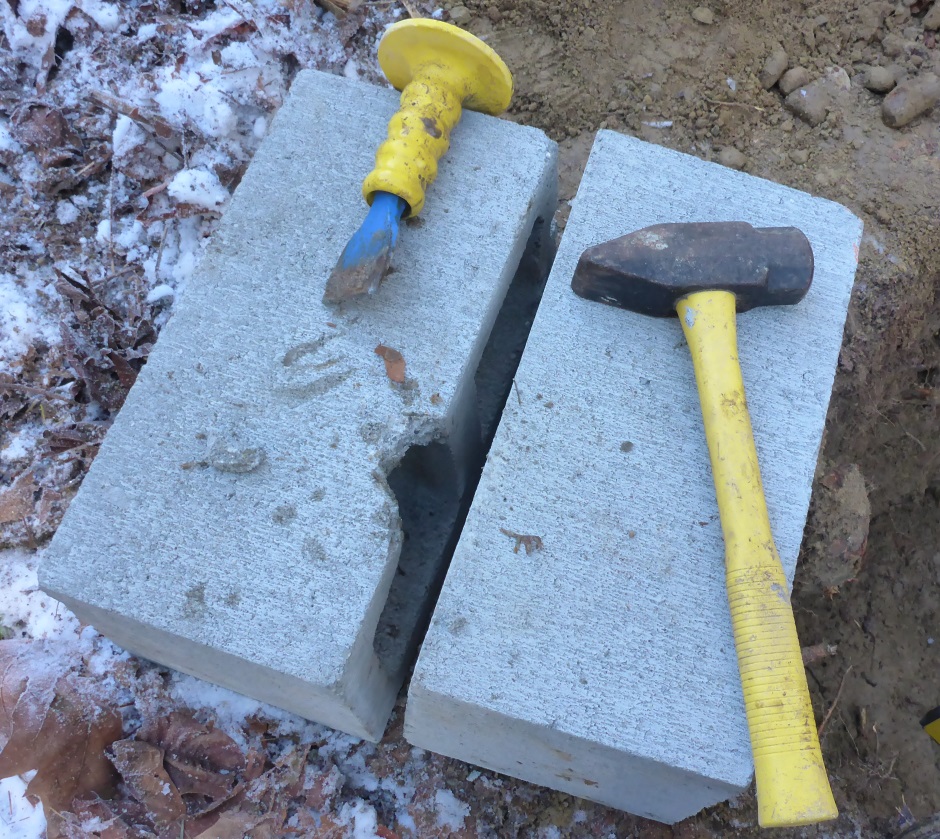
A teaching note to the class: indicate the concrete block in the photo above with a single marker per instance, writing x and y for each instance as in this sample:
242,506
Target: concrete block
602,662
239,522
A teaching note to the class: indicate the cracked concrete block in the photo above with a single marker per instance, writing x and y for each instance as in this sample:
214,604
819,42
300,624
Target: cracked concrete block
582,639
239,523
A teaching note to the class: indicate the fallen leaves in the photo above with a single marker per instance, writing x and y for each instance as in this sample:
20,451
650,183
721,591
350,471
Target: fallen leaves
202,761
54,722
45,131
105,348
27,500
16,500
394,363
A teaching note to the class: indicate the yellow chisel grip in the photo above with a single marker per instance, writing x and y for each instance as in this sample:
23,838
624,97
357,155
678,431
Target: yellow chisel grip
418,135
792,784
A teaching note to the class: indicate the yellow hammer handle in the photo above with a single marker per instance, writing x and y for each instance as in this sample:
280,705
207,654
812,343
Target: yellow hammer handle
792,785
418,135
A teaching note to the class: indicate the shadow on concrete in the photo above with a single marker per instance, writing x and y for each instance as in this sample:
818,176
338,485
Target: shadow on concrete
433,490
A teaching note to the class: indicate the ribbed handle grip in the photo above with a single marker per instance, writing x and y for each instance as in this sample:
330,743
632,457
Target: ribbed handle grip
792,785
418,135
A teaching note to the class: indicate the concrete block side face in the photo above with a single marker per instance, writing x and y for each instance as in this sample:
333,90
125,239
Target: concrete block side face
240,500
235,673
615,627
552,758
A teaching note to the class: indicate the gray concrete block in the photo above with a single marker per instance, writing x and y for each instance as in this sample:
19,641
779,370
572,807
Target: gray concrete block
238,523
603,664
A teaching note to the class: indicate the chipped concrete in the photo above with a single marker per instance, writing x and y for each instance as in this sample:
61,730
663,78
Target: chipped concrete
238,523
582,639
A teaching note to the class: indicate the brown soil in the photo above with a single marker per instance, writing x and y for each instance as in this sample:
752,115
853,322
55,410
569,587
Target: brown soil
869,578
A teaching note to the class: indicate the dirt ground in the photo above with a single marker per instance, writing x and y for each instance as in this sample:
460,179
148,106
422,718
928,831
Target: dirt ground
869,576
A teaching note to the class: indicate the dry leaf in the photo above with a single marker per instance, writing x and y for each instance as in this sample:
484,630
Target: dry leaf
105,348
394,363
107,825
141,767
187,740
324,788
203,763
46,132
241,824
53,722
16,500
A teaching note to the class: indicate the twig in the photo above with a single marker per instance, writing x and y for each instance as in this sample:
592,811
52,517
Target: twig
156,267
161,129
903,429
516,388
412,11
111,219
822,725
734,104
33,391
120,273
154,124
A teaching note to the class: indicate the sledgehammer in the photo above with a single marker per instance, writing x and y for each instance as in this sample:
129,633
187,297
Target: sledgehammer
705,272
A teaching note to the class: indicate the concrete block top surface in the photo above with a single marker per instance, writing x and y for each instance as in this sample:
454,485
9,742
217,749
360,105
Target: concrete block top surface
615,628
240,499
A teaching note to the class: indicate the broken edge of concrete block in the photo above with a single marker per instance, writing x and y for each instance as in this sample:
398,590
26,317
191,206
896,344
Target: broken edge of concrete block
582,639
238,523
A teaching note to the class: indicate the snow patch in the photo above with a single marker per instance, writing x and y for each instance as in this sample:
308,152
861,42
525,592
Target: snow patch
127,136
184,100
160,292
66,212
106,15
19,819
451,811
363,820
20,443
198,188
22,320
24,607
7,143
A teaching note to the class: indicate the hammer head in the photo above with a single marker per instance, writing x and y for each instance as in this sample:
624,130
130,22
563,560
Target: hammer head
650,270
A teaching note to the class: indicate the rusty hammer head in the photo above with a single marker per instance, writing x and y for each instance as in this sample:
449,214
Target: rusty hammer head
649,270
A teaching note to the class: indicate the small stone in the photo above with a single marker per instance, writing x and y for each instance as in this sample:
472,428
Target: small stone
811,103
879,79
460,15
703,15
892,45
800,156
909,100
774,67
494,14
837,79
792,79
932,18
732,158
